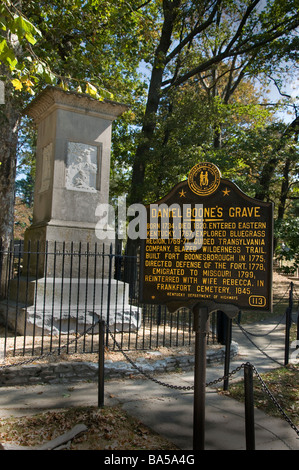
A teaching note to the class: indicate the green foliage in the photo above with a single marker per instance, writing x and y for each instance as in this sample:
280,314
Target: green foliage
209,51
91,47
188,122
18,36
287,250
202,60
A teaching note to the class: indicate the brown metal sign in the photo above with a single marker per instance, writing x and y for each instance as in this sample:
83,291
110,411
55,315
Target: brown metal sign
208,241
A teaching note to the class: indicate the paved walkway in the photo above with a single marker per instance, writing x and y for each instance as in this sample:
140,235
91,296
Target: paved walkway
169,411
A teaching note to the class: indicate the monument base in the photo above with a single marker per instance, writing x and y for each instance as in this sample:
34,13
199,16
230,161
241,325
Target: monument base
56,249
68,306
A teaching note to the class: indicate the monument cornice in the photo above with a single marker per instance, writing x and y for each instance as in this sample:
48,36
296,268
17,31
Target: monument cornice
55,98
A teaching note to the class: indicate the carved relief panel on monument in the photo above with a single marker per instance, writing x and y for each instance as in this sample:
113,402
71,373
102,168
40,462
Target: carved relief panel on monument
82,167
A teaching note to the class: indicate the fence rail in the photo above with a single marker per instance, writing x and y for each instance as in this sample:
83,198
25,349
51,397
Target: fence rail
52,293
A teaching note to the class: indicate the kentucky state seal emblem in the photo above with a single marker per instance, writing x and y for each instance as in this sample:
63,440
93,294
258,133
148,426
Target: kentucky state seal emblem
204,179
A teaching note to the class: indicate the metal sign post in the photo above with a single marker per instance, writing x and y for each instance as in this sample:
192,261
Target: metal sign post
215,246
208,247
201,316
249,407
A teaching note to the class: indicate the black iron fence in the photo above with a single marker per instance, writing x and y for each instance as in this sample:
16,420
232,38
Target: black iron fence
53,294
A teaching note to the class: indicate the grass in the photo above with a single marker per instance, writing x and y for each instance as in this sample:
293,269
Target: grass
283,383
254,316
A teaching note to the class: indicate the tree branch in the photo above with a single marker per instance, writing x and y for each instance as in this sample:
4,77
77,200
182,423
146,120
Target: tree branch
235,52
241,25
193,33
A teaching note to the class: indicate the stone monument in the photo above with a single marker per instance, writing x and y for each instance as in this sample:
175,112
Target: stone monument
72,180
72,164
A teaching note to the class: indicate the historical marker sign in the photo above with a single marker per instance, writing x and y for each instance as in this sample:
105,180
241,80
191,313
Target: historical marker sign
208,241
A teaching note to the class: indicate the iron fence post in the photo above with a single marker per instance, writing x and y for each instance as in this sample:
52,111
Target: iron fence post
200,327
101,364
109,293
249,407
288,325
65,294
228,341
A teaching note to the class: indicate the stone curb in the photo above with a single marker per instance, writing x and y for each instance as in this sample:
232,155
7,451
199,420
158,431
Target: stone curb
70,372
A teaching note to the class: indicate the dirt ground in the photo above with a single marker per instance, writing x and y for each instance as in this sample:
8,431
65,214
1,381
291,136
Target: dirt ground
282,283
108,428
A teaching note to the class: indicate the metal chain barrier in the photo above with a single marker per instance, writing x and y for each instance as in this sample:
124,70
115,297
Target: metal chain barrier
257,347
271,396
263,334
142,372
164,384
295,292
213,382
283,296
159,382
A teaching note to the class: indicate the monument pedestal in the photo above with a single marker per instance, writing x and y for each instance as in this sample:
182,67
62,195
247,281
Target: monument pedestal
54,240
62,279
69,306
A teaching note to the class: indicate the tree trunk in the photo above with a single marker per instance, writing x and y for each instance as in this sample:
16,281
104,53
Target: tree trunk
9,120
265,179
170,9
269,167
284,189
285,185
